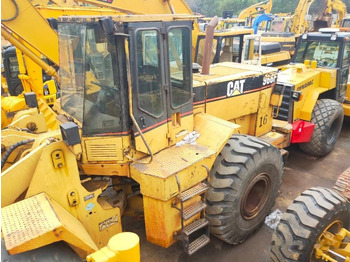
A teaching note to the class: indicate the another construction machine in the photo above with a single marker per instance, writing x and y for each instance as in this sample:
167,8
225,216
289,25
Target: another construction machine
270,56
315,89
252,11
287,29
141,134
315,226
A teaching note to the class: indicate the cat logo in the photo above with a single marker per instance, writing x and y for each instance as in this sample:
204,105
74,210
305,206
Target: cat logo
235,87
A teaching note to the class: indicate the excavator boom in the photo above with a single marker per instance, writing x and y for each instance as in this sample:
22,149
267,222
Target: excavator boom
144,7
265,6
15,17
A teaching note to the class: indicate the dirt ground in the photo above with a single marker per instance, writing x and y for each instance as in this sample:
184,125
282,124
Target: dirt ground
300,173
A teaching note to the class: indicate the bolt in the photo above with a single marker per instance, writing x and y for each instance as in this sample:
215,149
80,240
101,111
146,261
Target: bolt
72,193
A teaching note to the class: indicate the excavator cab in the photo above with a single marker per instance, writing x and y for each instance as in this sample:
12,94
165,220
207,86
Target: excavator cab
11,72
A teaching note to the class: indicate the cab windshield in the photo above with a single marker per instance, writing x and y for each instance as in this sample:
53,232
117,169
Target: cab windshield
325,53
89,87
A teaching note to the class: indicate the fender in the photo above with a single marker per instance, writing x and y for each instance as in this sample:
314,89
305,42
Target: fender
310,102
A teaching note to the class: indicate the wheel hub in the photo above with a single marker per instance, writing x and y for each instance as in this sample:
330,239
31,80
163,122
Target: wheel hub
256,195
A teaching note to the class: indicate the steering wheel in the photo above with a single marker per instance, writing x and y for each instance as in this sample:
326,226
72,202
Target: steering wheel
106,87
326,61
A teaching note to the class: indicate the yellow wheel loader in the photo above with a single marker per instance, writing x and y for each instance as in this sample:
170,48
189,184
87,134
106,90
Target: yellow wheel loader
193,152
315,226
34,69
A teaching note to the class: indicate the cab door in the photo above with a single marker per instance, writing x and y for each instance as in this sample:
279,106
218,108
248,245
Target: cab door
148,92
178,66
344,72
161,63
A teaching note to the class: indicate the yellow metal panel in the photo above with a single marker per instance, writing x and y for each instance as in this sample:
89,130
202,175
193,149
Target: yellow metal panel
156,139
346,108
13,103
210,127
328,78
247,104
279,140
275,57
106,169
121,247
101,220
157,179
264,116
162,220
104,148
179,127
11,190
55,11
309,103
38,221
33,31
35,122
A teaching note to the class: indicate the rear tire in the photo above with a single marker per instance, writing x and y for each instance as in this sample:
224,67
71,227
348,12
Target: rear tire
244,183
328,118
304,221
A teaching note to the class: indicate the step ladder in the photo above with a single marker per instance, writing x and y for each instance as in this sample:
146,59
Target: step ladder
197,234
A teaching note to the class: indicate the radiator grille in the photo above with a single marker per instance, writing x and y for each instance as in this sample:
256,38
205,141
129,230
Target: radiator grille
104,149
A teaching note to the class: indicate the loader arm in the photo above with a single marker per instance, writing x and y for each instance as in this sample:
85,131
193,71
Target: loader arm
299,23
340,7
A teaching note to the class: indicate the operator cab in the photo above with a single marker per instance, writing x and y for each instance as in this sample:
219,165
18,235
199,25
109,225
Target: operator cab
147,62
331,49
227,46
11,70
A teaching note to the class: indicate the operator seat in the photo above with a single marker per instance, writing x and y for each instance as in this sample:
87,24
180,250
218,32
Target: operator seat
226,55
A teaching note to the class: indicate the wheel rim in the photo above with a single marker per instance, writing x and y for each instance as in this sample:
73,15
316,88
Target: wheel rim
332,228
256,195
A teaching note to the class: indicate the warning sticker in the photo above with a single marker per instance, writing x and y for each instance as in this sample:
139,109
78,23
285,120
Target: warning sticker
109,222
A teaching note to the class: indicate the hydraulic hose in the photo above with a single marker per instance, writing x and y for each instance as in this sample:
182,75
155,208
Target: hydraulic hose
15,16
12,148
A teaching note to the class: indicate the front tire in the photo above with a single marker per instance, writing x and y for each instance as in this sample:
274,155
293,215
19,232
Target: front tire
328,118
244,183
316,210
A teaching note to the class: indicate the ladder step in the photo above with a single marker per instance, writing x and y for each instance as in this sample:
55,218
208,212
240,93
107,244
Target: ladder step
198,244
196,225
193,210
193,191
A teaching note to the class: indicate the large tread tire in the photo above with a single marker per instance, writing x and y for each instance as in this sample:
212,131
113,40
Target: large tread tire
241,163
304,221
328,118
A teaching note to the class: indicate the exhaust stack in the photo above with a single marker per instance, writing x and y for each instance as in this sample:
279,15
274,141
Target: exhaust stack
208,44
